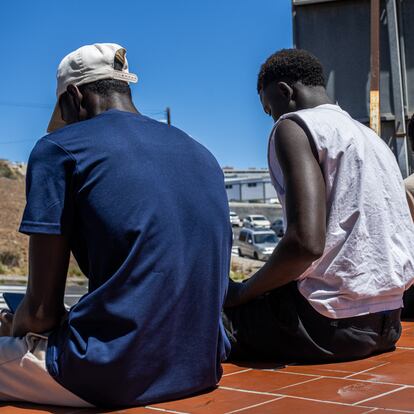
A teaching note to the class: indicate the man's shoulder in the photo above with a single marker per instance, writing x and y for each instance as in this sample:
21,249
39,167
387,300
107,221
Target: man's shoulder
47,147
63,135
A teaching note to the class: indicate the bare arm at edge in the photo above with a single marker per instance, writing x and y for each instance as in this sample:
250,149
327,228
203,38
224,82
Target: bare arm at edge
304,240
42,307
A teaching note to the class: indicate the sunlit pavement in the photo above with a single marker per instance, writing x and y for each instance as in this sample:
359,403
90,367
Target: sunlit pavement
72,294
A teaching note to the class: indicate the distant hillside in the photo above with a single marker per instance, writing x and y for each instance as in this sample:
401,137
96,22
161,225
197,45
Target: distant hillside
13,245
12,170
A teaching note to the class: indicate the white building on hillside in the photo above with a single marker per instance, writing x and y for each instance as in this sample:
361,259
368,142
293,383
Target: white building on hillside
251,185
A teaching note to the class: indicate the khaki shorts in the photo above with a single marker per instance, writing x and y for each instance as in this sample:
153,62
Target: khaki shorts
24,377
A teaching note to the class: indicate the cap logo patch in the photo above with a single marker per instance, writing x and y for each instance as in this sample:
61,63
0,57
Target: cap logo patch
120,57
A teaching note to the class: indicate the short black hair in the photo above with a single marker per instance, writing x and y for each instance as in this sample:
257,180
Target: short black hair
106,87
291,66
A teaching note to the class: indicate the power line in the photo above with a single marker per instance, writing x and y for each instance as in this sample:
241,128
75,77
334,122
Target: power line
14,142
27,104
153,113
47,106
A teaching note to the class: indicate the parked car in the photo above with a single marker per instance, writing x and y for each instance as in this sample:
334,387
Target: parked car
278,226
257,244
234,219
255,221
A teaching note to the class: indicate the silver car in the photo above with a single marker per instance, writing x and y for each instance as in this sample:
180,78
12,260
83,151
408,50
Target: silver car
255,221
258,244
234,219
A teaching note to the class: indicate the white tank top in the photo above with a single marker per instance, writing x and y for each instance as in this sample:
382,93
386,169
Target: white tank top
368,258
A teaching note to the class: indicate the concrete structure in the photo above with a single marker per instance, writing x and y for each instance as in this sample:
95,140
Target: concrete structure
250,189
251,185
231,172
270,211
338,33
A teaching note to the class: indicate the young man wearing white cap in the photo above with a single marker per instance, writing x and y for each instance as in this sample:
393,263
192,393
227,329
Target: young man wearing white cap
114,187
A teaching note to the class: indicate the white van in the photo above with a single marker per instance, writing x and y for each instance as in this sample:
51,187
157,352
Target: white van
257,244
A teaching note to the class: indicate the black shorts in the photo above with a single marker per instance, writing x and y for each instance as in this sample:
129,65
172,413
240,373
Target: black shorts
282,326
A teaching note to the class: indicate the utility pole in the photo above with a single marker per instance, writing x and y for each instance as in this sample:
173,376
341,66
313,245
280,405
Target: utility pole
168,113
400,132
374,95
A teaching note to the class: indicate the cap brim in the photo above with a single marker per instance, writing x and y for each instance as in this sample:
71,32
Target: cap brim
56,121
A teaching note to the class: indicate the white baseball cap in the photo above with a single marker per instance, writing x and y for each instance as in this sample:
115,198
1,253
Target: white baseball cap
88,64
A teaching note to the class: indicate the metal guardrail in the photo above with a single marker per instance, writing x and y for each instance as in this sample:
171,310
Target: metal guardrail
72,295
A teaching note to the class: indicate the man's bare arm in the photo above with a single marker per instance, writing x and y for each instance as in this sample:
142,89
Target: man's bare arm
304,240
42,307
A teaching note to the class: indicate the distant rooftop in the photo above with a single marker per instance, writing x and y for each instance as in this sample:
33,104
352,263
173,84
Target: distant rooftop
250,170
245,173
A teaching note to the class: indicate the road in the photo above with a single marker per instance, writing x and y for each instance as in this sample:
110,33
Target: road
72,294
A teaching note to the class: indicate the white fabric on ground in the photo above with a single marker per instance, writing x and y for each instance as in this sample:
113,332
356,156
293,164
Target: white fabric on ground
24,377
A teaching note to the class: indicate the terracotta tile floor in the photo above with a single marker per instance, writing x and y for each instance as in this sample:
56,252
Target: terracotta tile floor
380,384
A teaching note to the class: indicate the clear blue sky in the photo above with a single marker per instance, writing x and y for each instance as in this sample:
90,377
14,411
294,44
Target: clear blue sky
201,58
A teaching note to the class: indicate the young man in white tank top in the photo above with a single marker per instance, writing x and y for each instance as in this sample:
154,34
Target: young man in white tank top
332,289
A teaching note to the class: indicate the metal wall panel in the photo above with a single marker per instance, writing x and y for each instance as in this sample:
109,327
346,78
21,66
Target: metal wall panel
407,40
338,33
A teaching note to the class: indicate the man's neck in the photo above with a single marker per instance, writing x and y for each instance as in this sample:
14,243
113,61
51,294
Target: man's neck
310,97
117,101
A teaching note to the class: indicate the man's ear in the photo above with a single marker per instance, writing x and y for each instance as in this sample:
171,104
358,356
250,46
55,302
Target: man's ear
75,96
286,90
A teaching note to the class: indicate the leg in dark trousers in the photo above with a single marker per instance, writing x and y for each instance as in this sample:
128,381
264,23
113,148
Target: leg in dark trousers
408,310
283,326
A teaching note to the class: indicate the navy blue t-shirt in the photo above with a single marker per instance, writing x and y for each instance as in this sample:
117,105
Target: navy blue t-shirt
145,208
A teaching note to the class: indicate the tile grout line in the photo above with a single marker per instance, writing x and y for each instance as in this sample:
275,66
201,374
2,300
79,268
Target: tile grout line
254,405
164,410
373,382
250,391
391,410
371,410
322,401
343,378
366,370
321,369
348,377
285,395
381,395
298,383
292,373
237,372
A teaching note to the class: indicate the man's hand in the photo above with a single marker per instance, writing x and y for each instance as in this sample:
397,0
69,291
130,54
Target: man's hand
42,308
234,294
6,322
